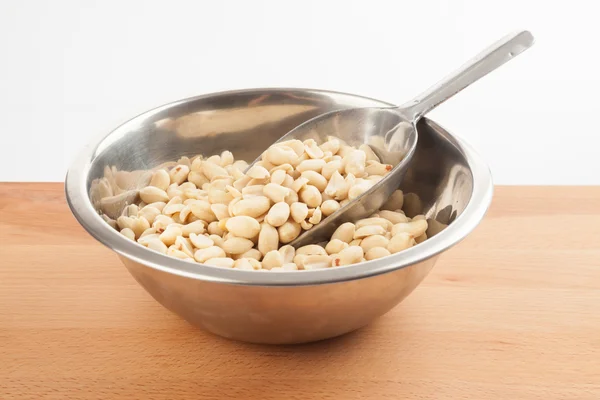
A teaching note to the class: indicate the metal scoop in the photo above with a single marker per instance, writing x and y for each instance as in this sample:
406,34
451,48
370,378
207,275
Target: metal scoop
392,133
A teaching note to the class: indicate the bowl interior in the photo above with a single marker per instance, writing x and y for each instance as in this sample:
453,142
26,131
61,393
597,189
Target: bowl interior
439,181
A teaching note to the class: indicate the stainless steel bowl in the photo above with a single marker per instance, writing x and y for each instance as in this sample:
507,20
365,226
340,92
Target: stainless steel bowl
447,181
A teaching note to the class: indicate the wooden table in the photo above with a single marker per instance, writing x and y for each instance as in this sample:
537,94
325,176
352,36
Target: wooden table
513,312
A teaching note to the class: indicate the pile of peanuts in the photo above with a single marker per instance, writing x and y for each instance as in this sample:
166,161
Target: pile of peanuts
208,210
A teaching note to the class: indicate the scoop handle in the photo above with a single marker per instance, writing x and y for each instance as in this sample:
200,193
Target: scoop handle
479,66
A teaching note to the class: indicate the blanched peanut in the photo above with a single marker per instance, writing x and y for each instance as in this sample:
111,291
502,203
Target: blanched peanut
344,232
272,259
369,153
348,256
395,201
316,217
202,210
217,239
243,264
268,238
252,253
293,144
359,188
226,158
328,207
184,245
275,192
331,167
241,183
392,216
306,225
400,241
311,249
335,246
252,207
214,228
152,194
160,179
289,267
149,231
292,197
421,238
278,177
210,252
299,211
143,240
150,213
128,233
278,155
368,230
157,245
374,241
170,234
288,253
354,163
299,184
137,224
131,210
224,262
289,231
243,226
159,205
237,245
414,228
161,222
376,168
337,187
384,223
201,241
332,145
212,170
316,261
311,196
233,191
376,252
215,159
221,211
173,190
258,172
355,242
219,196
173,252
196,227
265,164
311,165
197,178
312,149
179,174
278,214
171,209
288,181
299,260
315,179
252,190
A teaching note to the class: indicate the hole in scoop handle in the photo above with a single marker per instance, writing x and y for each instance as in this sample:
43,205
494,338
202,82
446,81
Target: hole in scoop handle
479,66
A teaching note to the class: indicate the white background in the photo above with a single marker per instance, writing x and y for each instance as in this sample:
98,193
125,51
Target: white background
72,69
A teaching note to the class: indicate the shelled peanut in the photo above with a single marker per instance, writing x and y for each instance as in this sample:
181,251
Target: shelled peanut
212,212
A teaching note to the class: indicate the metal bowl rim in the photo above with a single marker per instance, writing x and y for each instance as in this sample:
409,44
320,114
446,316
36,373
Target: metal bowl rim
86,215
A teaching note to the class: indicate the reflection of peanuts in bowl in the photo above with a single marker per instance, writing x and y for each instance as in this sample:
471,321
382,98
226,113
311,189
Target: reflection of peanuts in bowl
195,228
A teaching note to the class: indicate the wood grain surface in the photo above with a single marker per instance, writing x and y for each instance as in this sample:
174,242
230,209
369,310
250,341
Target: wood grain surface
512,312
